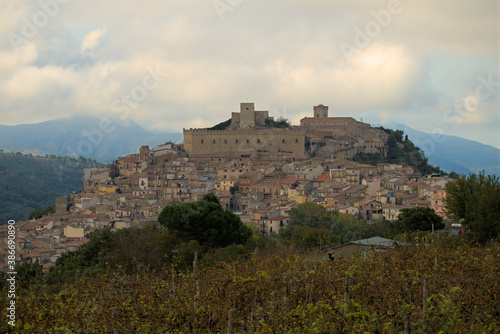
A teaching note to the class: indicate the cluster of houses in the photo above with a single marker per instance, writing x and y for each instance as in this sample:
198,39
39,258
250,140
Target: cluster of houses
261,187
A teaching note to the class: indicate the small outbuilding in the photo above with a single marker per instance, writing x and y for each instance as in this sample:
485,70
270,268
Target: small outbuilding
376,244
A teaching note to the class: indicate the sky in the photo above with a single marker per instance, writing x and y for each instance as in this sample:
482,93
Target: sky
174,64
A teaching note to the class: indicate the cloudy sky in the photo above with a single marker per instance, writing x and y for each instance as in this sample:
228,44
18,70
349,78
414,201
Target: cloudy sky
170,64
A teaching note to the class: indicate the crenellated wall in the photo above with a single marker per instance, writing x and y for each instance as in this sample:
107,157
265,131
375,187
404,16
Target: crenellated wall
204,141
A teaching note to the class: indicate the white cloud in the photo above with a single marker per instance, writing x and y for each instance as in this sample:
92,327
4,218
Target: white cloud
468,111
282,55
91,39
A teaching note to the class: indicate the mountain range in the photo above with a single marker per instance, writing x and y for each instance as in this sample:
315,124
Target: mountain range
101,139
453,153
104,141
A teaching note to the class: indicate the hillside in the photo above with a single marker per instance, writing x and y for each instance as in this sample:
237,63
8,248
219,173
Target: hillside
29,182
452,153
66,137
401,151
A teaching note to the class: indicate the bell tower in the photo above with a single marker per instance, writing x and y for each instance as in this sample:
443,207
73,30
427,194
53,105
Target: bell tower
320,111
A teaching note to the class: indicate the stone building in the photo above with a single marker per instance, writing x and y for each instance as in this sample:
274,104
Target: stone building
248,117
61,204
332,126
247,132
204,141
342,137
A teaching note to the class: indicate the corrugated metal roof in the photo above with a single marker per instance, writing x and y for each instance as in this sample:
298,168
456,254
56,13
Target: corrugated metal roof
379,241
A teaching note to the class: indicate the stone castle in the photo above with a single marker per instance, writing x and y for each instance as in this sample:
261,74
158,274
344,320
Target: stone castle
342,137
247,132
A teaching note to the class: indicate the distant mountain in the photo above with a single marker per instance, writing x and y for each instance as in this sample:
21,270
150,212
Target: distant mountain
452,153
79,135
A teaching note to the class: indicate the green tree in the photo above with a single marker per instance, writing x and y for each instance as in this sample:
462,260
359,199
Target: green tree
85,260
39,213
310,214
29,273
475,201
234,189
392,142
420,219
204,221
210,197
348,227
310,237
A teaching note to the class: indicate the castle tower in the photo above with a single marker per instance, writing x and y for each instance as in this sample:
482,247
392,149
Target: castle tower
247,115
320,111
61,204
144,153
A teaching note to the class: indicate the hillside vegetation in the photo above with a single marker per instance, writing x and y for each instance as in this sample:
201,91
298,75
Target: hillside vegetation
401,151
30,182
437,287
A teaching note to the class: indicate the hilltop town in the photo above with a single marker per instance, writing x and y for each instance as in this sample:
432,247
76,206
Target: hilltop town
257,168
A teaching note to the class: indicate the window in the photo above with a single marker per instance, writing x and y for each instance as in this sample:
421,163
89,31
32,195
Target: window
296,140
236,141
213,141
258,141
225,142
202,141
283,141
248,141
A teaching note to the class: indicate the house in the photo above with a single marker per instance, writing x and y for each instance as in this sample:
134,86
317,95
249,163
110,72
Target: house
346,209
370,209
74,232
273,225
391,211
437,202
363,246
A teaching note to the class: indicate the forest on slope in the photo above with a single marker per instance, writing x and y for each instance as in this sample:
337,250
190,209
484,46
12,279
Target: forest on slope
401,151
30,182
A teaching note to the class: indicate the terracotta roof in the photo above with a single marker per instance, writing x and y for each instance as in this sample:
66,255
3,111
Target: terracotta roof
224,193
279,218
324,178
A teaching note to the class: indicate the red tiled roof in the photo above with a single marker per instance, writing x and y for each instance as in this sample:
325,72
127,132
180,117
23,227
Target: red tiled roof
290,180
279,218
323,178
